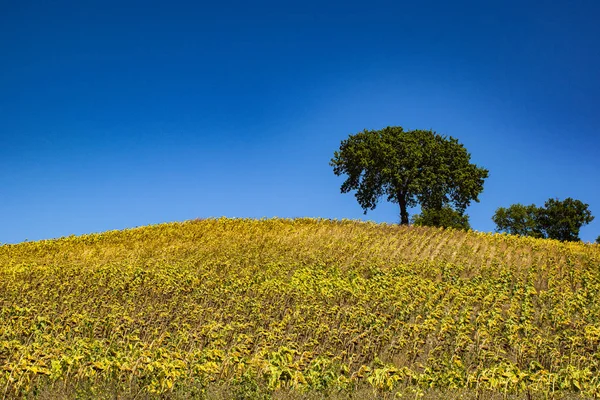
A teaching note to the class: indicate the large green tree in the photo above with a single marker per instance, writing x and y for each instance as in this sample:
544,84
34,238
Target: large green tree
560,220
408,168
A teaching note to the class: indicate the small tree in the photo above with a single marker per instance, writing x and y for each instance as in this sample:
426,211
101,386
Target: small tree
598,240
519,220
409,168
559,220
446,217
562,220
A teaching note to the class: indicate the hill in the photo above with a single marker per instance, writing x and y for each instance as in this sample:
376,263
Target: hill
290,308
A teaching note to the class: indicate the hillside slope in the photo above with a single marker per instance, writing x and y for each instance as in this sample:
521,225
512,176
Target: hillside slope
264,306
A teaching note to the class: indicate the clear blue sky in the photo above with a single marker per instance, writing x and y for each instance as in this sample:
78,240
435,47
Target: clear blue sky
121,114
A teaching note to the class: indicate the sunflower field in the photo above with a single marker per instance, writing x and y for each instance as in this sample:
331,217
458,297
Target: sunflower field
285,308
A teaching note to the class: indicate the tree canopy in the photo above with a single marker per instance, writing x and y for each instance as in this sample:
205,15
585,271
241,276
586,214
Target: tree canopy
445,217
562,219
557,219
519,219
408,168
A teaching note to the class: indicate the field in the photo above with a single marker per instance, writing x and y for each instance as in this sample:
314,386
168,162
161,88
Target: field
293,309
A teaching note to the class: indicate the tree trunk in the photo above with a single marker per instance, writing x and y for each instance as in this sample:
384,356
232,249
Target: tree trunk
403,211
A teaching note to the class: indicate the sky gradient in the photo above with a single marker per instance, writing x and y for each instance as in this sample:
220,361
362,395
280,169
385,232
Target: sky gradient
122,114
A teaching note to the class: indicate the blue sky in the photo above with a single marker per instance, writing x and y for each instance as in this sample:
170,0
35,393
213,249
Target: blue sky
121,114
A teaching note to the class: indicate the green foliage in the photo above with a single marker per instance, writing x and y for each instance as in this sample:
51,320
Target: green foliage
519,219
408,168
598,240
445,217
560,220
